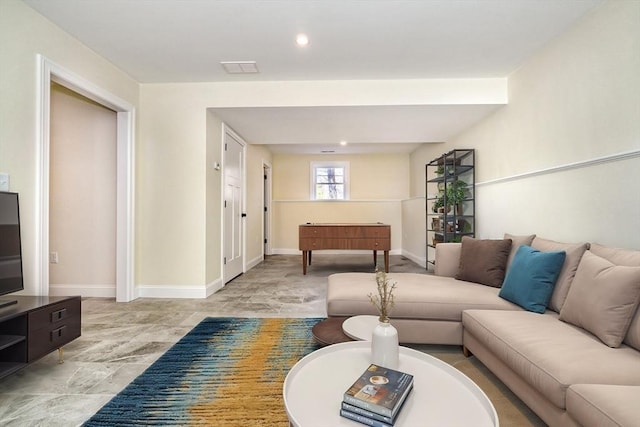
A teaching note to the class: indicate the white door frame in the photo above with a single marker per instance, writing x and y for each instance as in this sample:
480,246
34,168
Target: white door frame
125,115
226,129
266,203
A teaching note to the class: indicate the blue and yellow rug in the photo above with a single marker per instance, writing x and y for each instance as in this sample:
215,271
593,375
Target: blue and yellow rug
224,372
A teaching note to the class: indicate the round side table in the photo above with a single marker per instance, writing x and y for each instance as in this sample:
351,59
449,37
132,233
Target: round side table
329,331
360,327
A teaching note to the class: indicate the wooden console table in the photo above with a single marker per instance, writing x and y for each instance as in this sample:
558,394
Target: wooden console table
375,237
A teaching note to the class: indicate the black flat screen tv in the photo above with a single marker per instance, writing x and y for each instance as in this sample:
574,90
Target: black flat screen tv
10,247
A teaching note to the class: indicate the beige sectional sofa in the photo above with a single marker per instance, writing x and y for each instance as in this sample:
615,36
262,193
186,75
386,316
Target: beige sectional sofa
578,363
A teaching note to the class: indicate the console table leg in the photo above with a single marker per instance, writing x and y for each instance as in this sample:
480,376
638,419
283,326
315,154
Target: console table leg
386,261
60,356
304,262
375,258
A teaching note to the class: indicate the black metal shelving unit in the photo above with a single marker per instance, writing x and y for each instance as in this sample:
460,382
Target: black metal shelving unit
448,220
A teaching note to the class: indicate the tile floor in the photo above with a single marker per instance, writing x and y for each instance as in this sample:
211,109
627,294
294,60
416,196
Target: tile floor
120,340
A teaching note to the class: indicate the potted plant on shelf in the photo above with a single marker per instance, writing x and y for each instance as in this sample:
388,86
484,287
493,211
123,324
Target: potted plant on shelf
438,203
456,194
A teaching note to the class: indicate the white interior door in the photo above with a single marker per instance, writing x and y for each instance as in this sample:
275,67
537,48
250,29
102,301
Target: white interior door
233,206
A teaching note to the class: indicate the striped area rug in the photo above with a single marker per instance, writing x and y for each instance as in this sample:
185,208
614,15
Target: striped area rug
224,372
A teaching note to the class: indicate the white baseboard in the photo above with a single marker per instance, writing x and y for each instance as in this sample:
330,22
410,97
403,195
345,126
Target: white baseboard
193,292
415,258
278,251
97,291
198,292
257,260
214,287
154,291
285,251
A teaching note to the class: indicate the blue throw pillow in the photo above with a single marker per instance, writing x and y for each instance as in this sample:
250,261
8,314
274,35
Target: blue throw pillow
531,278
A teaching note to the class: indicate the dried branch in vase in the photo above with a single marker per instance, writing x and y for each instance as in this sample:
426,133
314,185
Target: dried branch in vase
384,300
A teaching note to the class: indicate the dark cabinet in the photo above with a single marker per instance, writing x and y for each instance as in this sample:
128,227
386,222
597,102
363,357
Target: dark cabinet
34,327
450,200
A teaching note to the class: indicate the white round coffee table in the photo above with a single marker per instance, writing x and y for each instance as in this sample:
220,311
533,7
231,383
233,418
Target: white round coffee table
360,327
441,396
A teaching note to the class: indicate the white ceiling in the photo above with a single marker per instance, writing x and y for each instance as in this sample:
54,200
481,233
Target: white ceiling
366,129
185,41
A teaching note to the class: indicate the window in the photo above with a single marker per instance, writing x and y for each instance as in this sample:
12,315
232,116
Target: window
329,180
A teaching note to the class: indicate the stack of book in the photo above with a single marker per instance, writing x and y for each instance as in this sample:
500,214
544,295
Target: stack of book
377,396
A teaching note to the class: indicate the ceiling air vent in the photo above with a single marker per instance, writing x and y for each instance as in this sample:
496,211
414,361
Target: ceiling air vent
240,67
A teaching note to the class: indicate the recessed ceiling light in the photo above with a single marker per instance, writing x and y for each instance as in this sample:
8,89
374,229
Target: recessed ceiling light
302,40
343,143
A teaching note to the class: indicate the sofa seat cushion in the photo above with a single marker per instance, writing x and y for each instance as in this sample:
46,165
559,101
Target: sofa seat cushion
604,405
417,296
549,354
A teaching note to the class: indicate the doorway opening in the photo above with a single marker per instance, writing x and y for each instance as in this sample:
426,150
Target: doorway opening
51,72
82,196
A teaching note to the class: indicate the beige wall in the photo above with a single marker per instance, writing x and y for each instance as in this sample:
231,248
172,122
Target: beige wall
177,248
372,176
82,215
575,102
378,184
25,33
413,228
171,198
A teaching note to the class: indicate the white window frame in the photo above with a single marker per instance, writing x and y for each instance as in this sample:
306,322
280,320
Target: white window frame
328,164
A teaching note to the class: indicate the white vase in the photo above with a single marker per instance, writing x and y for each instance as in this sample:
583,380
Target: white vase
384,346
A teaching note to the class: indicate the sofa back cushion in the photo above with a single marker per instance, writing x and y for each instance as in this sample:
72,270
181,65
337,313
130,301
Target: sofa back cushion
603,298
573,255
447,259
531,281
617,256
483,261
632,259
516,242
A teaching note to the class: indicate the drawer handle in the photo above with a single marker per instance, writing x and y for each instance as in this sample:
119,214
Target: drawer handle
58,315
56,334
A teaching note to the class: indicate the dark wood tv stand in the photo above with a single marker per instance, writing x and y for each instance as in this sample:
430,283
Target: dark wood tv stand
6,302
34,327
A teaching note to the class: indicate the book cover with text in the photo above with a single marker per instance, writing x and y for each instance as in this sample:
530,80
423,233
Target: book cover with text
380,390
